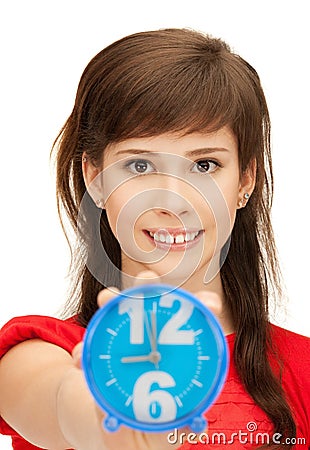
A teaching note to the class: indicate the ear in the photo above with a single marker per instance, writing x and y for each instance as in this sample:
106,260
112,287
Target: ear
92,181
247,183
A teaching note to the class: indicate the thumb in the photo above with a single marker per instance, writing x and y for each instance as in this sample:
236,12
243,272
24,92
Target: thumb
147,277
212,301
77,354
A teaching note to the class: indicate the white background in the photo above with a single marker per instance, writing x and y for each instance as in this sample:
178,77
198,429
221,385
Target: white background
45,46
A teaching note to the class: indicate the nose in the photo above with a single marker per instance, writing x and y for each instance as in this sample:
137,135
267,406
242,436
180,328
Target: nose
171,198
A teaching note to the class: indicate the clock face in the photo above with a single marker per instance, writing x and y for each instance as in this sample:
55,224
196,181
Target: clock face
154,358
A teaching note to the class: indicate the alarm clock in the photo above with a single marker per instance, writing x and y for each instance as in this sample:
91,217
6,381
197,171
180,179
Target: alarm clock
154,358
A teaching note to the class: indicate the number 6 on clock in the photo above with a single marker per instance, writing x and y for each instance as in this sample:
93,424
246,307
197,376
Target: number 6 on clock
157,405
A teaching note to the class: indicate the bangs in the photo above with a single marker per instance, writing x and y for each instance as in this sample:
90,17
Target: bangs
169,81
190,100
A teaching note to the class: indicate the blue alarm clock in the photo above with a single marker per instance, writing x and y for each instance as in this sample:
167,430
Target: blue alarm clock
155,358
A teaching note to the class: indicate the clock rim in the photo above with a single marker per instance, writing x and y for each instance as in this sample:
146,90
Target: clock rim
203,405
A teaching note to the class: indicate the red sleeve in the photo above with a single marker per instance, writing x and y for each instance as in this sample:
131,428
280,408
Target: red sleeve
66,334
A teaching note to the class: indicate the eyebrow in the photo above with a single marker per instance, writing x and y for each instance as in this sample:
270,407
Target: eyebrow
196,152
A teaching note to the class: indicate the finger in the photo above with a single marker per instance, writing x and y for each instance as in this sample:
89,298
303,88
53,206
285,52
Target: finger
77,354
147,277
106,294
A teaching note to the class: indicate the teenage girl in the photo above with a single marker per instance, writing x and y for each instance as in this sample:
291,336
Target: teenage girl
166,157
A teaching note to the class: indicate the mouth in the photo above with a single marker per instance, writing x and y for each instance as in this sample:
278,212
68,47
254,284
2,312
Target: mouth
174,239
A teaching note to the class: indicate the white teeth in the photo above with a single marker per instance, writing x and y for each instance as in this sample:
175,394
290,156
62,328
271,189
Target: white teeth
170,239
179,239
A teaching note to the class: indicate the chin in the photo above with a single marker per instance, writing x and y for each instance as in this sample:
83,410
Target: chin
174,274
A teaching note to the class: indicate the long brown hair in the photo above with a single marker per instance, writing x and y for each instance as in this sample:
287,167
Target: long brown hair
178,80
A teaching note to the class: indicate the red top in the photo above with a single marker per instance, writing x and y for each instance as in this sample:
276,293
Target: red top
234,420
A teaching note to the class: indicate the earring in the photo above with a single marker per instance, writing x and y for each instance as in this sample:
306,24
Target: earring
84,159
99,203
244,200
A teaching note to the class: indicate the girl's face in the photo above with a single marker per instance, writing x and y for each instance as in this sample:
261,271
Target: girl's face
171,201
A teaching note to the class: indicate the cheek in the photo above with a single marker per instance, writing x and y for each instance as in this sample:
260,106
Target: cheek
124,207
229,187
115,207
231,197
221,213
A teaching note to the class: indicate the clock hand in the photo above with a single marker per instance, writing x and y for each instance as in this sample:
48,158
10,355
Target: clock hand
148,330
140,358
153,357
154,331
154,327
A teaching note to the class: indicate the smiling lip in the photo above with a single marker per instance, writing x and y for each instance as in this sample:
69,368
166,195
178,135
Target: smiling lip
174,239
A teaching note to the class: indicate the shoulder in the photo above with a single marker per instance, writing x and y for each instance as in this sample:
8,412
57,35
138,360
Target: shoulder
292,351
290,343
64,333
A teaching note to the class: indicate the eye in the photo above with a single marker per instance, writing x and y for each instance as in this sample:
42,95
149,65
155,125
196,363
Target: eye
205,166
140,166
